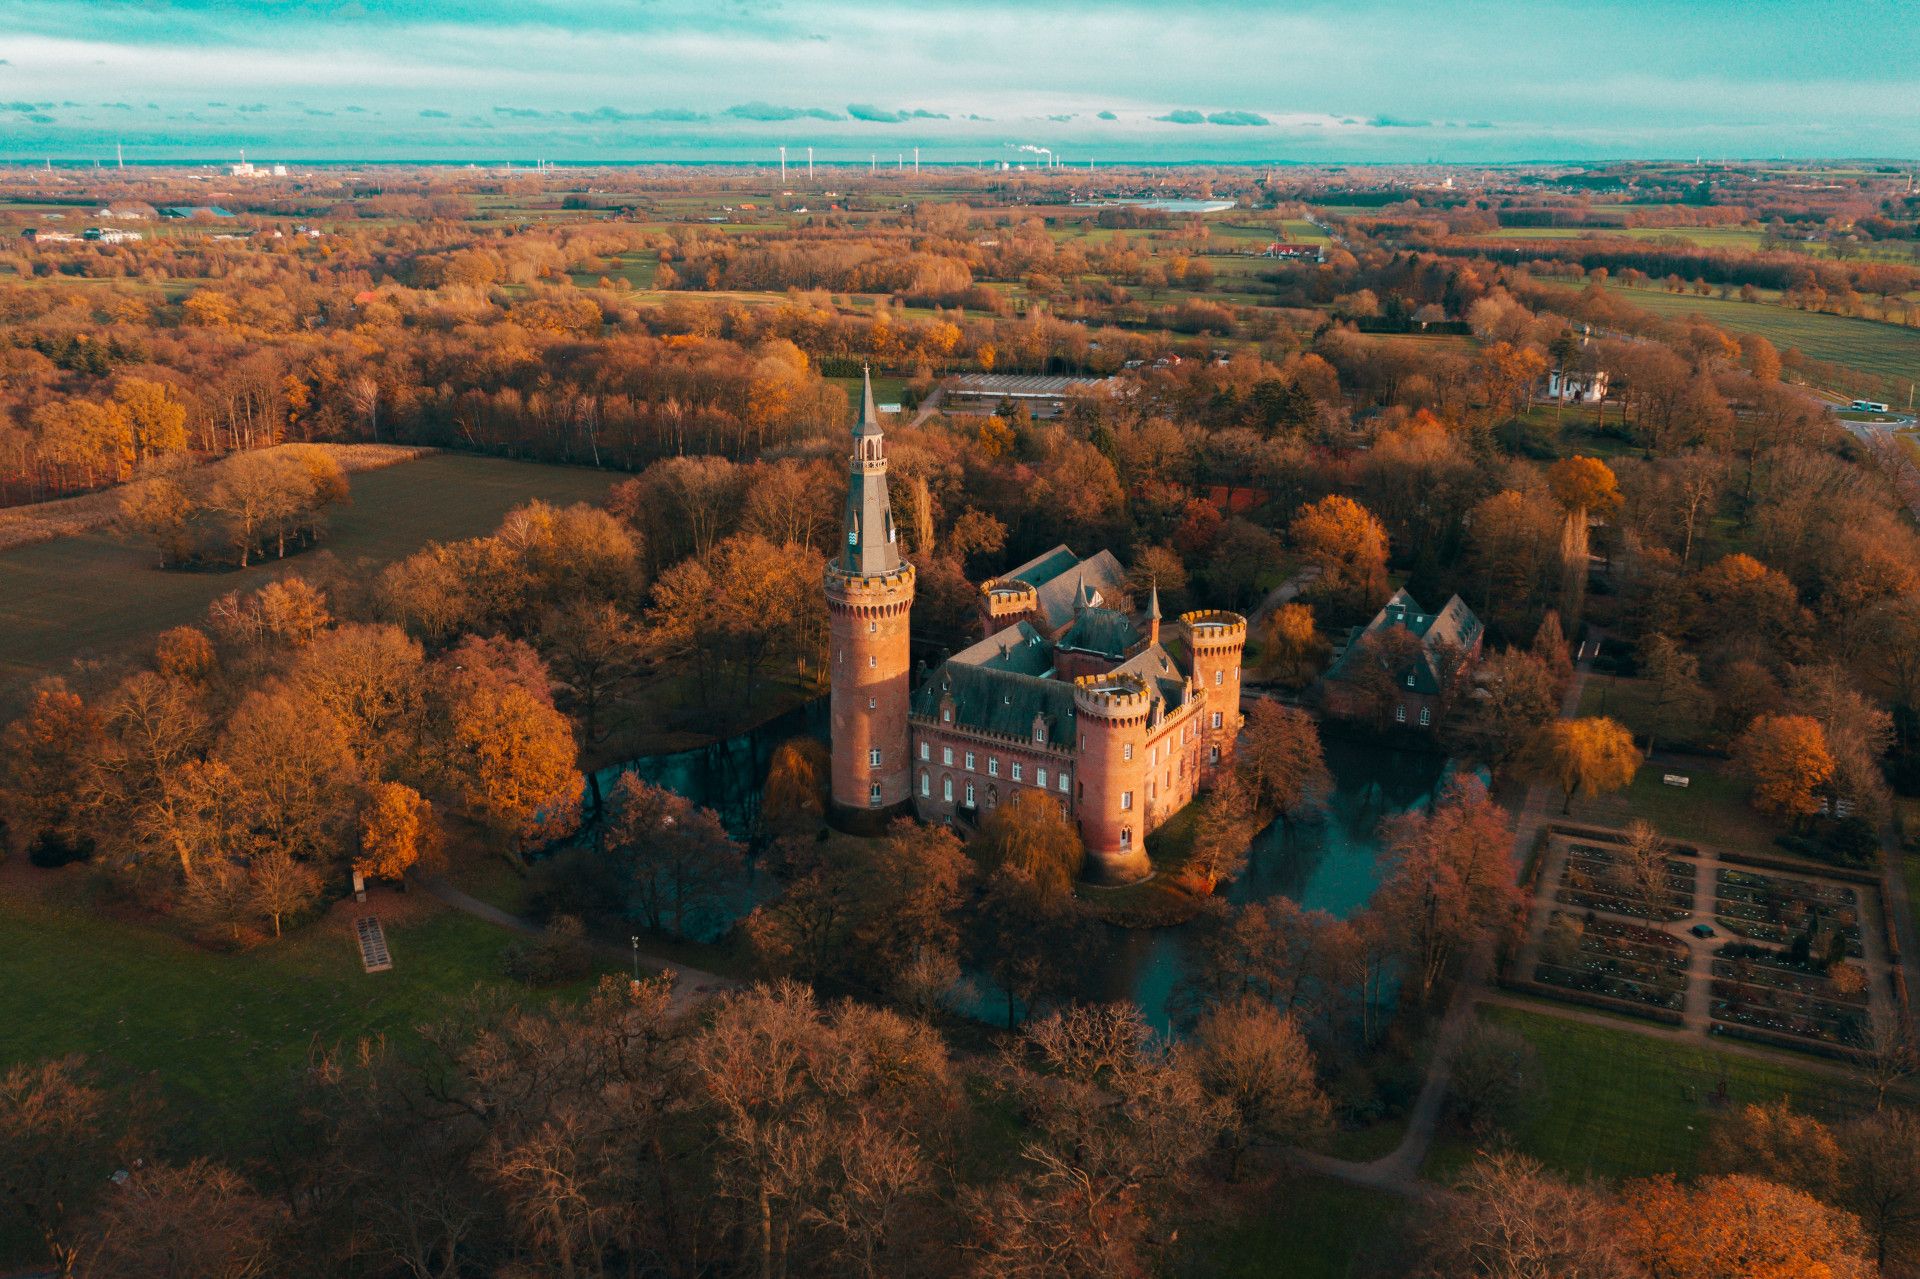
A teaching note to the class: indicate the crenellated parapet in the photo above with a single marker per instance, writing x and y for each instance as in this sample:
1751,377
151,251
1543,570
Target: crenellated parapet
869,595
1215,628
1119,696
1008,600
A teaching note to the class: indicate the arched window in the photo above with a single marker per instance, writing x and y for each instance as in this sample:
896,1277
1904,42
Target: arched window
926,784
946,789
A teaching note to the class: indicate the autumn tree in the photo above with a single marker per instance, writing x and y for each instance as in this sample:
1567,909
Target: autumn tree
1737,1225
1518,694
511,760
1254,1059
1279,759
1514,1220
1348,545
1031,833
1290,646
591,649
43,756
1584,487
1448,882
397,831
799,784
682,863
1225,822
1681,703
1786,759
1588,756
58,1134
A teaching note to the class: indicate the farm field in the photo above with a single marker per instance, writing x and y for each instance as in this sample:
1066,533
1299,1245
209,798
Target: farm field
1871,346
93,595
1619,1103
1745,239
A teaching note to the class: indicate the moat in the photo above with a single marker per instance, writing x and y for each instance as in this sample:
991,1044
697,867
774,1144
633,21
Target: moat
1330,864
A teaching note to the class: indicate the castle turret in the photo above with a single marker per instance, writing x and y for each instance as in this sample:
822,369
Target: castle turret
1216,639
1153,614
869,592
1111,713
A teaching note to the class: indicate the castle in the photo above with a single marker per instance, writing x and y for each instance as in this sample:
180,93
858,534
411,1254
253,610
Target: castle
1067,694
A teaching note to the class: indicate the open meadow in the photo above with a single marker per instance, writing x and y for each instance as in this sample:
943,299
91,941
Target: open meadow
94,595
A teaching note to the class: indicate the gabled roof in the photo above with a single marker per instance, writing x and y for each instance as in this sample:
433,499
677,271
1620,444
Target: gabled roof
1166,682
1454,626
1106,631
1046,566
1018,648
995,700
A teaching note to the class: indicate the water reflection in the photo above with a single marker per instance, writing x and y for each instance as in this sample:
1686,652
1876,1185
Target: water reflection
1330,863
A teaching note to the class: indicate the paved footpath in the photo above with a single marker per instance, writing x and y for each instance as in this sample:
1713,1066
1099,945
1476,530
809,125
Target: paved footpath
689,984
1399,1171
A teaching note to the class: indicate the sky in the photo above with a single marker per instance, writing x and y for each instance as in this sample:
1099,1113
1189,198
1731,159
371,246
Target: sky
582,81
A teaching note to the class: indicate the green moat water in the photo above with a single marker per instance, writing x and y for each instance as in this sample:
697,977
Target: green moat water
1329,863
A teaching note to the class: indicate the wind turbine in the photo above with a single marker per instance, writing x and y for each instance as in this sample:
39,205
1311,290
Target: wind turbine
783,166
809,164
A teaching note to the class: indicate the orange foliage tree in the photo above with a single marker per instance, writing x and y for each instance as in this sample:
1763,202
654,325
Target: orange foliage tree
1787,758
396,831
1348,545
1588,756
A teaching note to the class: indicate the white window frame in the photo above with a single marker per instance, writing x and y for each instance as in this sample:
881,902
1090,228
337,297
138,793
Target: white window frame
993,766
969,761
1126,801
926,751
970,803
1126,750
1040,778
873,757
1065,782
1219,720
946,789
946,756
1019,771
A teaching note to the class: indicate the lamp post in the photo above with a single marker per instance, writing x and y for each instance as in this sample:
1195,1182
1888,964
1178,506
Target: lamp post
635,939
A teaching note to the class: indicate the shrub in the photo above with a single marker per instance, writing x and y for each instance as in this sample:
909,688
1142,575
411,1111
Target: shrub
60,847
561,953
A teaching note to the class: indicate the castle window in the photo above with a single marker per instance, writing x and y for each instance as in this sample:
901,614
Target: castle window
1126,837
1126,800
946,789
873,795
873,661
1426,716
873,757
1217,720
1019,771
1063,783
1040,778
969,794
1219,677
1126,751
947,715
1409,679
1400,714
969,761
926,751
872,627
926,784
946,754
1153,790
993,766
873,703
1214,756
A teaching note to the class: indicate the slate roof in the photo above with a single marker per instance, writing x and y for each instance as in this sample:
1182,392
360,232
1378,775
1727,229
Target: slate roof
1019,648
993,696
1166,682
1106,631
1454,625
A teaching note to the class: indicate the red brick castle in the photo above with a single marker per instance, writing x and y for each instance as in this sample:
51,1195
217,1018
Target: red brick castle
1070,693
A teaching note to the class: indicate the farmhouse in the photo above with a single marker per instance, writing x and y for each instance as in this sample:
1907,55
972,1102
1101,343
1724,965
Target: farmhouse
1401,668
1072,693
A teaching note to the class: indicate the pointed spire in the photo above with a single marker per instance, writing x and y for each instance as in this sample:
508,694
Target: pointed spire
869,416
1153,601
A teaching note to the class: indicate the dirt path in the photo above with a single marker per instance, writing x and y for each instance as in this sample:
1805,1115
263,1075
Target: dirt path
689,984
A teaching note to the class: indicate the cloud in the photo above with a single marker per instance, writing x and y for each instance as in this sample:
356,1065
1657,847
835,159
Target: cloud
880,115
519,113
1238,118
251,107
1394,122
1062,119
673,115
767,112
431,114
1183,117
1108,115
117,106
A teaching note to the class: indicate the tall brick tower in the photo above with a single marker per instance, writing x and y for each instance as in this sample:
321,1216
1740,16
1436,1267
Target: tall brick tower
1216,639
869,598
1111,712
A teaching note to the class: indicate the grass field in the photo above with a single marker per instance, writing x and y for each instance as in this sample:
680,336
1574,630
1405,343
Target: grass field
1618,1103
1873,347
1324,1229
220,1036
1712,809
93,595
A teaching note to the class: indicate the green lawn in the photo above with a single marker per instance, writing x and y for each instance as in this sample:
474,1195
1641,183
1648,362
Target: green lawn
1618,1103
222,1037
94,595
1870,346
1314,1228
1712,809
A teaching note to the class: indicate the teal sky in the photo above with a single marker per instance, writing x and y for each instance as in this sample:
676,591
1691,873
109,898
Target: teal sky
1374,80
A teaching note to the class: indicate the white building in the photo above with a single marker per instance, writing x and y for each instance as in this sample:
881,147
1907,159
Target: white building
1576,387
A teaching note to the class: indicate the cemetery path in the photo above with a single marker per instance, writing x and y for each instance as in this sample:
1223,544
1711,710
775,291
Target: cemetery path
689,984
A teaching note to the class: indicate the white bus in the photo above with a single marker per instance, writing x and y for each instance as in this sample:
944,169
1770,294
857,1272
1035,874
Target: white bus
1869,406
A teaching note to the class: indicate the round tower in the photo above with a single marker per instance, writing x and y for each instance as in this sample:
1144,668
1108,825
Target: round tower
869,590
1005,601
1216,639
1110,712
